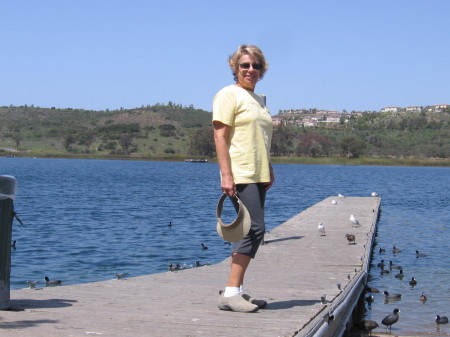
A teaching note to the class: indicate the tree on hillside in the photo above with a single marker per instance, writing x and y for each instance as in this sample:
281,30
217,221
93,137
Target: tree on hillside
68,141
125,142
201,142
352,147
17,137
313,144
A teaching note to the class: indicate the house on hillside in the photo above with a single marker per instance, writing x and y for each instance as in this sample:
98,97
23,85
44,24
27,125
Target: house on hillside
413,109
391,109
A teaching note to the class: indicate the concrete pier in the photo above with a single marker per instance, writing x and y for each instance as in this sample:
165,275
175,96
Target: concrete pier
293,271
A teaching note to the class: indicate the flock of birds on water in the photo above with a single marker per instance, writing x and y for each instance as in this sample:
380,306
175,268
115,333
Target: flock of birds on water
392,318
391,268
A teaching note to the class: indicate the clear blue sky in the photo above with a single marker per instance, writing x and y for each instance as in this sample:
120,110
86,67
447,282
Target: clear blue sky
325,54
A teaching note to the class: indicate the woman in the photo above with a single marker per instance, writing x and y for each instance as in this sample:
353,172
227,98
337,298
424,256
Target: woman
242,135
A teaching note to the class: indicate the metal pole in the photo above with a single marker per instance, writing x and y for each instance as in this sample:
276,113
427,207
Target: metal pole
7,194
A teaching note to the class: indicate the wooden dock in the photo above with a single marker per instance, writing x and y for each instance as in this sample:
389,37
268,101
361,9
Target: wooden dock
292,271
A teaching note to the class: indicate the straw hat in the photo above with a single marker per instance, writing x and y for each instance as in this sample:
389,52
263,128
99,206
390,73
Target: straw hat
239,228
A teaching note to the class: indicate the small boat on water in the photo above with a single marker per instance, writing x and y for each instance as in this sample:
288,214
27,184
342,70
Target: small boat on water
196,160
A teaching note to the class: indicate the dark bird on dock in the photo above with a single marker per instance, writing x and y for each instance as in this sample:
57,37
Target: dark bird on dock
351,238
441,320
393,266
395,250
369,325
369,299
420,254
393,296
400,274
32,285
204,247
338,286
323,299
381,264
119,276
391,319
49,282
413,282
423,298
381,250
173,267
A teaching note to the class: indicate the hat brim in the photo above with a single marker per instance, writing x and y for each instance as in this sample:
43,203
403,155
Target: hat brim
239,228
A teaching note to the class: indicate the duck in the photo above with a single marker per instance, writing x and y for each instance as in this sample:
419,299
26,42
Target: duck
400,274
441,320
369,325
169,224
395,250
381,264
384,271
369,299
381,250
393,296
351,238
174,266
413,282
420,254
422,297
394,266
371,289
204,247
49,282
391,319
13,244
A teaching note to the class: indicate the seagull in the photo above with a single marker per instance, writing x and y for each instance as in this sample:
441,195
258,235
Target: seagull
204,247
354,221
52,282
321,229
33,284
391,319
441,320
351,238
374,194
340,195
333,202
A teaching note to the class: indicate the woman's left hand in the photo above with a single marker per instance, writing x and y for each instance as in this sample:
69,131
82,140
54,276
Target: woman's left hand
272,179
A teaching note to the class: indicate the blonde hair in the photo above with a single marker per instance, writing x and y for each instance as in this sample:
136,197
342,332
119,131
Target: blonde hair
251,50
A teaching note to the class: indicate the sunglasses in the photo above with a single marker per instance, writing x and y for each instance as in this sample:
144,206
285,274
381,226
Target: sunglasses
255,66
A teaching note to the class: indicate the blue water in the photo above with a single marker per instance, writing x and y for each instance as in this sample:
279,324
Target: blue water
85,220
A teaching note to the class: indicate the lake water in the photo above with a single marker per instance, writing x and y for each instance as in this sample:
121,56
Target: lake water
85,220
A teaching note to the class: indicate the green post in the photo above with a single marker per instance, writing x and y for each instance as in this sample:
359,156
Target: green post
7,194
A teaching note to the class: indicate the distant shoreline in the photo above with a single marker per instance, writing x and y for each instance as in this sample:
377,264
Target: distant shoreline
430,162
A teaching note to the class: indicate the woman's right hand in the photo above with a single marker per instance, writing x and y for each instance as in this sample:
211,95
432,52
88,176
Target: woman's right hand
228,186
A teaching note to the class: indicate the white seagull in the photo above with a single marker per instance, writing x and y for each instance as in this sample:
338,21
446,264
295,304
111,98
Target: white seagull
355,222
321,229
374,194
340,195
333,202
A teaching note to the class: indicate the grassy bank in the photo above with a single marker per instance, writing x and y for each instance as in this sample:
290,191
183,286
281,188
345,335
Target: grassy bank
276,160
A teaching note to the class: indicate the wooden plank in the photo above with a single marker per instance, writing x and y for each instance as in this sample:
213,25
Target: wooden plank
292,271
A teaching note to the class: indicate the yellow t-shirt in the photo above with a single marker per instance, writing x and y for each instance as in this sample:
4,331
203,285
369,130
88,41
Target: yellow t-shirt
250,134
